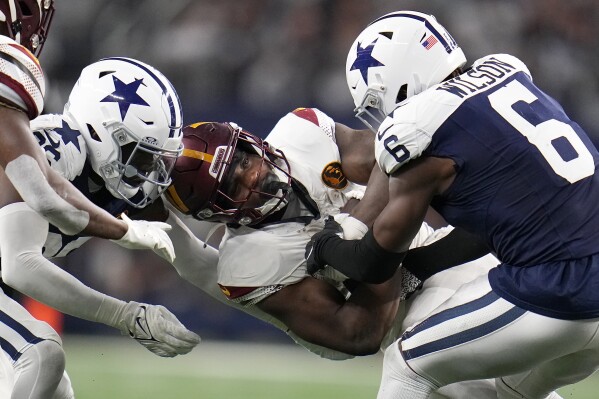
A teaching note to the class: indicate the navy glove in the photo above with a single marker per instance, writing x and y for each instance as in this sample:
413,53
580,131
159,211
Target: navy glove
331,229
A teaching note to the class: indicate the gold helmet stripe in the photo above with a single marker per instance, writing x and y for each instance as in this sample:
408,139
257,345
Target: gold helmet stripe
176,199
197,155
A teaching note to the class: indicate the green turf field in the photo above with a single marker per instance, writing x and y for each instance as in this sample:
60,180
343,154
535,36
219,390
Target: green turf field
119,368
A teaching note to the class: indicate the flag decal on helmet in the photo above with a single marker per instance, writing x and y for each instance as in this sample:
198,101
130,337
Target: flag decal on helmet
365,60
125,95
429,42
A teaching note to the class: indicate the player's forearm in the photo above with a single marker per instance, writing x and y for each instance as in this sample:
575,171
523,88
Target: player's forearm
375,198
195,261
99,222
368,315
22,235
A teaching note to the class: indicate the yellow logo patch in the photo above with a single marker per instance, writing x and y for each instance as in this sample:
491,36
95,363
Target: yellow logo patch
333,177
225,290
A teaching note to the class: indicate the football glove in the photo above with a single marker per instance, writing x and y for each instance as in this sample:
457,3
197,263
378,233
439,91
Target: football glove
142,234
331,228
353,229
157,329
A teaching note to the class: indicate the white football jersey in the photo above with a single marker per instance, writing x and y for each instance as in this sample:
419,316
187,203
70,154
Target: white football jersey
66,153
254,263
22,84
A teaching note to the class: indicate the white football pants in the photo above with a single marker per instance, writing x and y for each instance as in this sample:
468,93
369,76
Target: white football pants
478,335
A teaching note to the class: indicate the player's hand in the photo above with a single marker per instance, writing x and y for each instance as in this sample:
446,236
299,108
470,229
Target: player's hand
353,229
157,329
331,228
142,234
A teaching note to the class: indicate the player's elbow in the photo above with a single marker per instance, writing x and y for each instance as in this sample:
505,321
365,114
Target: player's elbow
364,347
363,341
15,269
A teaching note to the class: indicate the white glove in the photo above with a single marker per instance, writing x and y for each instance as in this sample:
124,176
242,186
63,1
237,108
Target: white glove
142,234
353,229
154,327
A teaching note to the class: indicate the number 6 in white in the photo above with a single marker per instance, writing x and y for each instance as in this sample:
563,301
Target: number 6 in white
543,134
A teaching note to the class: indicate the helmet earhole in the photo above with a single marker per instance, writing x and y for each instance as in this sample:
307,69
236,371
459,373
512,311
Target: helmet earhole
92,132
402,94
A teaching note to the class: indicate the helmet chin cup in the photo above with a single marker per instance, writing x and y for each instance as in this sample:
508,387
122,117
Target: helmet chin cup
370,110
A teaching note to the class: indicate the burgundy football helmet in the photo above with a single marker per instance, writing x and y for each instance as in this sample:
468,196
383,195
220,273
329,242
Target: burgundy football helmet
27,22
200,174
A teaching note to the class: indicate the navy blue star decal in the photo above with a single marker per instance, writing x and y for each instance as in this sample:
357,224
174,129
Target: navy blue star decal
125,94
68,135
365,60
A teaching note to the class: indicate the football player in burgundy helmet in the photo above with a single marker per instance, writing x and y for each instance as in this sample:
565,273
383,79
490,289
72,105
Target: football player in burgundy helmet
229,175
27,22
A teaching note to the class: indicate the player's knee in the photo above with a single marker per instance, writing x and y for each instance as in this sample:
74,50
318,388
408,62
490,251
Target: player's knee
52,356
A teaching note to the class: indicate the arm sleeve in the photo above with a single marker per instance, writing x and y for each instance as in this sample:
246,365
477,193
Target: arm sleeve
361,260
456,248
196,262
22,235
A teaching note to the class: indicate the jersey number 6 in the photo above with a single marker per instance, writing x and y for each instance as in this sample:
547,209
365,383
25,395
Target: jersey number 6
545,134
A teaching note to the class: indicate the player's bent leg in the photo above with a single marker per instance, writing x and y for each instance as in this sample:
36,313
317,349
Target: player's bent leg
65,389
33,350
39,370
399,381
540,381
479,335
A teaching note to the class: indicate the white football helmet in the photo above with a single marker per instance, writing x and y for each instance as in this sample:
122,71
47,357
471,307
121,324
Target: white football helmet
397,56
130,117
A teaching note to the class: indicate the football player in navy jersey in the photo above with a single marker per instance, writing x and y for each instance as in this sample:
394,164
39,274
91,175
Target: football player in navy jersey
116,141
494,154
24,27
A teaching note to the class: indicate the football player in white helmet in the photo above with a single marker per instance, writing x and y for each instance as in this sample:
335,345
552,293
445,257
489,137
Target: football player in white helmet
117,141
497,156
378,76
24,26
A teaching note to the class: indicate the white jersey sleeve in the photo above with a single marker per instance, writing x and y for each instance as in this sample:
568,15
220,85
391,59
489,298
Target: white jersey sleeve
22,84
407,132
63,146
307,138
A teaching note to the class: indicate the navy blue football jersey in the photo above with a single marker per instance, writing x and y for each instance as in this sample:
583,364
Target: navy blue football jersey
526,174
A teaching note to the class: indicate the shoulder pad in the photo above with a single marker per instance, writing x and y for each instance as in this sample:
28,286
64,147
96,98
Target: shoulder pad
21,78
317,117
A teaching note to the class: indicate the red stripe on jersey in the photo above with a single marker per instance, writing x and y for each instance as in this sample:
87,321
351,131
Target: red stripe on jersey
28,54
307,114
236,292
31,110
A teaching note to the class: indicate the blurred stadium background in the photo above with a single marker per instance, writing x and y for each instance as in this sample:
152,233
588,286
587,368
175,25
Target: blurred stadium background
251,61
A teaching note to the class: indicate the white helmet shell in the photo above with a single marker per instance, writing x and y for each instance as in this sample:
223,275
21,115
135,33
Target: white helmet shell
397,56
128,113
